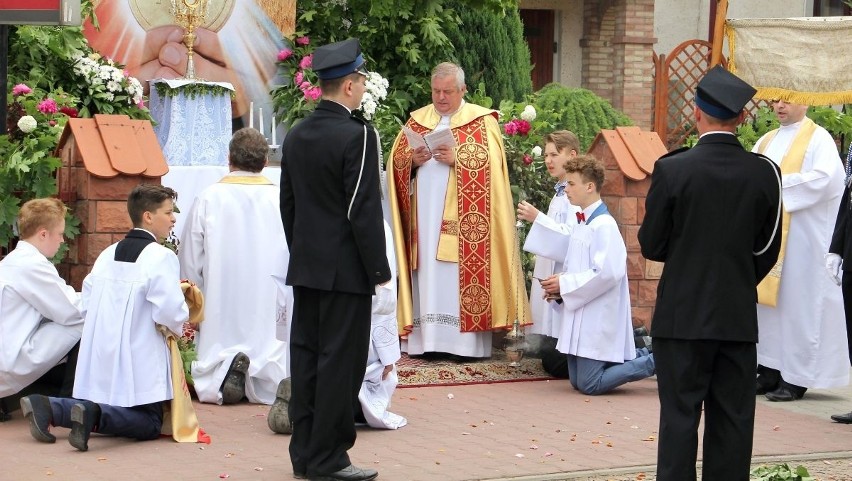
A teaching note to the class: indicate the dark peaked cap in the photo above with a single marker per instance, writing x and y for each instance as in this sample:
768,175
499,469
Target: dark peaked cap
722,94
338,59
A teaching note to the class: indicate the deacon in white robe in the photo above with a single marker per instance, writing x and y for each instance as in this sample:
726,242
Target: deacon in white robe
804,335
40,318
233,248
596,326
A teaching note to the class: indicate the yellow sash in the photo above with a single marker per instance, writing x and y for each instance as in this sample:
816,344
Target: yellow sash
245,179
767,290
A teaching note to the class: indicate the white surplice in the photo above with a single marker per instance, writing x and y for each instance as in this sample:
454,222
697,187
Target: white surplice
804,336
595,311
40,318
545,321
123,359
233,246
376,393
435,284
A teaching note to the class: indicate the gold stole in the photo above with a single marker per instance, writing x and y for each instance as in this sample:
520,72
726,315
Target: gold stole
767,290
179,419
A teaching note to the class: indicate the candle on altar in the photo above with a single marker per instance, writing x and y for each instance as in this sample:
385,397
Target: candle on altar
273,130
260,115
251,115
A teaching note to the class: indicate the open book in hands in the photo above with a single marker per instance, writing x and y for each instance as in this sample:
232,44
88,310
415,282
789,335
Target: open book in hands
432,140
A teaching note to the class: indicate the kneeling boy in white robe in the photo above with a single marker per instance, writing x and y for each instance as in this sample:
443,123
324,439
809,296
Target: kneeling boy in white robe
380,379
40,320
596,327
124,365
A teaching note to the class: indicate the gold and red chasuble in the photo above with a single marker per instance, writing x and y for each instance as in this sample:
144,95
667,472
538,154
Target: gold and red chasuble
477,228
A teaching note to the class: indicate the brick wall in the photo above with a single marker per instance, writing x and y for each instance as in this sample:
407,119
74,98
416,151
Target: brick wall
617,55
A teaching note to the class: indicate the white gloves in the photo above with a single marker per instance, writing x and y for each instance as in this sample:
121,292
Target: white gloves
832,265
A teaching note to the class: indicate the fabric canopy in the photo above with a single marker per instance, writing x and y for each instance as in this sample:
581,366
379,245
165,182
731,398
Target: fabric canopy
800,60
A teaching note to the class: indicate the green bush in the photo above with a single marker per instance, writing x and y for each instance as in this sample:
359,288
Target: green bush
578,110
490,47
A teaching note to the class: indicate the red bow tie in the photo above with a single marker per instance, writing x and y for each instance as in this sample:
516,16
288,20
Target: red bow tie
581,217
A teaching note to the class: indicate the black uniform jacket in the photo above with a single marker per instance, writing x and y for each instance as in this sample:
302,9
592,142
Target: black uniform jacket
331,203
709,209
841,240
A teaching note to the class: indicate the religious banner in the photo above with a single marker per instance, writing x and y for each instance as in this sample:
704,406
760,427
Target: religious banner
237,43
800,60
40,12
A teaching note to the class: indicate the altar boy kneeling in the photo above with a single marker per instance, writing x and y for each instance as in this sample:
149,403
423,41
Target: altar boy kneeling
591,294
123,369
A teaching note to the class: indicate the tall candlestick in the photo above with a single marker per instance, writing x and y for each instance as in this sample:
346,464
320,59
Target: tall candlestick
273,130
260,115
251,115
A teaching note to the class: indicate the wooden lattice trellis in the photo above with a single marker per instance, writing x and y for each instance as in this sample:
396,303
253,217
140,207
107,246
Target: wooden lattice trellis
676,76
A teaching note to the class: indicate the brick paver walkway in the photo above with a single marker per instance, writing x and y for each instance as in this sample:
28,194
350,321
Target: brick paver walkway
470,432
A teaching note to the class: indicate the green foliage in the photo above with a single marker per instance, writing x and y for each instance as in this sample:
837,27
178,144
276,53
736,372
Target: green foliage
193,90
750,132
45,89
490,47
578,110
780,472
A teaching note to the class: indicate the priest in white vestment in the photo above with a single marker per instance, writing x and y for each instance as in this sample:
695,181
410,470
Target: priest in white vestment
460,274
802,330
596,330
233,247
40,320
380,378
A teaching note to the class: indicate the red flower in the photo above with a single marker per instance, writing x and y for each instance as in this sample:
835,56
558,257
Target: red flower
523,126
70,111
528,159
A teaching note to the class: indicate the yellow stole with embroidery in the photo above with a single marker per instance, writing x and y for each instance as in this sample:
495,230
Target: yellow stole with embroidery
767,290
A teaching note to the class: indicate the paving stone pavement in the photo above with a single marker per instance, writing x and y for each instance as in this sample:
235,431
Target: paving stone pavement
540,430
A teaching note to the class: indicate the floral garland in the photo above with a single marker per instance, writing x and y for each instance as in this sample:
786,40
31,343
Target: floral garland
193,90
105,86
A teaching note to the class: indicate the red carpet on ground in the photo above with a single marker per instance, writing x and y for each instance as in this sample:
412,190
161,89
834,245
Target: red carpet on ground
417,372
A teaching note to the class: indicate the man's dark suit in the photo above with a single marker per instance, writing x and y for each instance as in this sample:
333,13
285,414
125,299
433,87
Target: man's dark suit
332,214
841,244
708,211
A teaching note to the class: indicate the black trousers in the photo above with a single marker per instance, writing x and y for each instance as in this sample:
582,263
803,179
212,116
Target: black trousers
847,306
720,376
329,340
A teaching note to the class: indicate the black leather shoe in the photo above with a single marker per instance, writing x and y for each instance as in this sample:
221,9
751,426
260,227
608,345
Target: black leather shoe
84,417
299,474
234,385
842,418
762,389
784,394
349,473
36,409
278,418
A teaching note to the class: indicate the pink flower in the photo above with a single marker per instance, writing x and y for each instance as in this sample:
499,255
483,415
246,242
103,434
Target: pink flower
306,62
20,89
304,86
523,127
313,93
140,104
528,159
303,40
51,123
48,106
511,128
299,78
284,54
